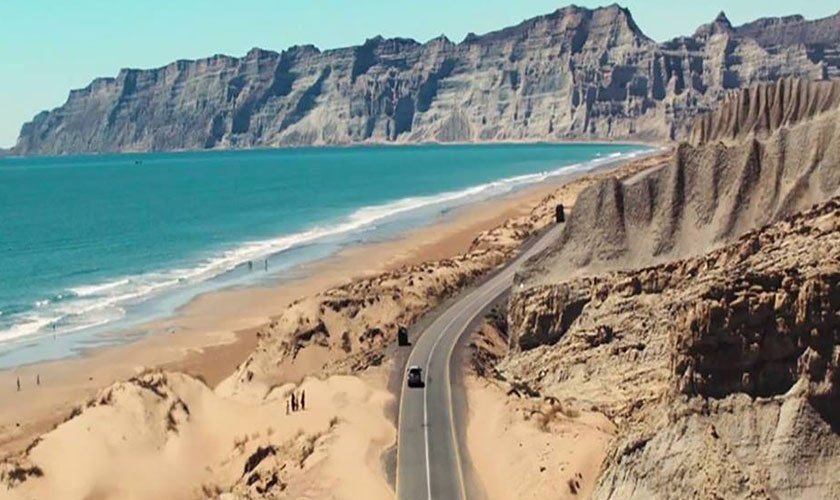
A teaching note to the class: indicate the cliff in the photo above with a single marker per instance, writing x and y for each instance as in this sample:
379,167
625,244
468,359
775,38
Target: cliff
764,108
711,193
573,74
721,372
697,306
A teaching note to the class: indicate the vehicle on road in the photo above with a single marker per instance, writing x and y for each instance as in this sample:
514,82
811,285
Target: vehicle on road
415,377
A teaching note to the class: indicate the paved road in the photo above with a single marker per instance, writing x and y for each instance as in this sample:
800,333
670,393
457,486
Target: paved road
428,455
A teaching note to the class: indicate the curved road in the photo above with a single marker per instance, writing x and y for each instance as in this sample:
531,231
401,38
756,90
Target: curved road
428,456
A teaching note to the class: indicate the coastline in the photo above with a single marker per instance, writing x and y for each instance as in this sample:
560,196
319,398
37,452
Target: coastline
99,294
653,144
211,336
215,332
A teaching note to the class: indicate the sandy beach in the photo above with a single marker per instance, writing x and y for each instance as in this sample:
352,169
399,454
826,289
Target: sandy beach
214,333
148,405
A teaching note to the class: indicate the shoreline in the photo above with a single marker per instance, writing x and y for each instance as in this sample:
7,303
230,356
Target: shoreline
653,144
120,301
211,336
215,331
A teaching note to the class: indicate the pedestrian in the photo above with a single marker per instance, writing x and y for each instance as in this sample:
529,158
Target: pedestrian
38,379
302,400
294,403
18,383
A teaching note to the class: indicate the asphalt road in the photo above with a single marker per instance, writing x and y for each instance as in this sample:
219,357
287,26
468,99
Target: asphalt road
429,464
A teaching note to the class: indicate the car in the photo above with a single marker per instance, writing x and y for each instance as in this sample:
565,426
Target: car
415,377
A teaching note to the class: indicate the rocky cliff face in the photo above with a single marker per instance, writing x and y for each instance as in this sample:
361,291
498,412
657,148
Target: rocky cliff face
710,193
722,372
575,73
762,109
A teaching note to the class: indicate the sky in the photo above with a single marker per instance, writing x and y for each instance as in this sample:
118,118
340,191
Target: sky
48,47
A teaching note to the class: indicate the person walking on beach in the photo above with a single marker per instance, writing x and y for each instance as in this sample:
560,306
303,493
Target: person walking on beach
38,379
18,383
294,403
302,400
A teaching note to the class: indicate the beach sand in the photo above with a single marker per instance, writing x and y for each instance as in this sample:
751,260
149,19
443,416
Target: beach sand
167,435
521,449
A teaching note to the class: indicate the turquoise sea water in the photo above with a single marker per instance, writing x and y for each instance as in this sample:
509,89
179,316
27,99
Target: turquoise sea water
88,243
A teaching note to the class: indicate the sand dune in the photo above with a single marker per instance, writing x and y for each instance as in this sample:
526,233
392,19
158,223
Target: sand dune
533,449
166,435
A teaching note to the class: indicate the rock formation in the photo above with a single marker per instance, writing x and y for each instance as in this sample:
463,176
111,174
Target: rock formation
762,109
575,73
781,155
722,372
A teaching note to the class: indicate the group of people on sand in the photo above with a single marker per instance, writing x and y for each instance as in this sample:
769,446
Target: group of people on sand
295,402
37,381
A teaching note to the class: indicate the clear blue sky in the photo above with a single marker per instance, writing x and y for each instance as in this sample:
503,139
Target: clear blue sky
50,47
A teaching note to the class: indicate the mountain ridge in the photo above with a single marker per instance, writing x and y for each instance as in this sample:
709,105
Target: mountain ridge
573,74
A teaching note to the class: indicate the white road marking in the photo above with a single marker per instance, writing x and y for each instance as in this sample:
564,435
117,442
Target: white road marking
492,284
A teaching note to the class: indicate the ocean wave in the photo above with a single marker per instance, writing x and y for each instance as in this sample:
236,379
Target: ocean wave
89,290
89,305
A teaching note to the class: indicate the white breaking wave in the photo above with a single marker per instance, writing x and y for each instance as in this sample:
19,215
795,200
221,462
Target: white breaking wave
86,306
86,291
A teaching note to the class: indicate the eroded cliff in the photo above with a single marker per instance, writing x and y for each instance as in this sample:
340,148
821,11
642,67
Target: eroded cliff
697,305
722,372
575,73
711,192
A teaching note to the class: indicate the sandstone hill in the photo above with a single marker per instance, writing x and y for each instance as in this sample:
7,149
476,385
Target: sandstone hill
711,192
697,306
572,74
763,109
722,372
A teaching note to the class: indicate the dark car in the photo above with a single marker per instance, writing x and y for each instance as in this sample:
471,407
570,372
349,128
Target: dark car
415,377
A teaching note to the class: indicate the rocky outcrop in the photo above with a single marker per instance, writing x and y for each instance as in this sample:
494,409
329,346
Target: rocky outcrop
575,73
817,35
722,371
762,109
710,193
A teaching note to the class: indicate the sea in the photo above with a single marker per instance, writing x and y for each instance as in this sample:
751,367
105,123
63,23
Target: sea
90,245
